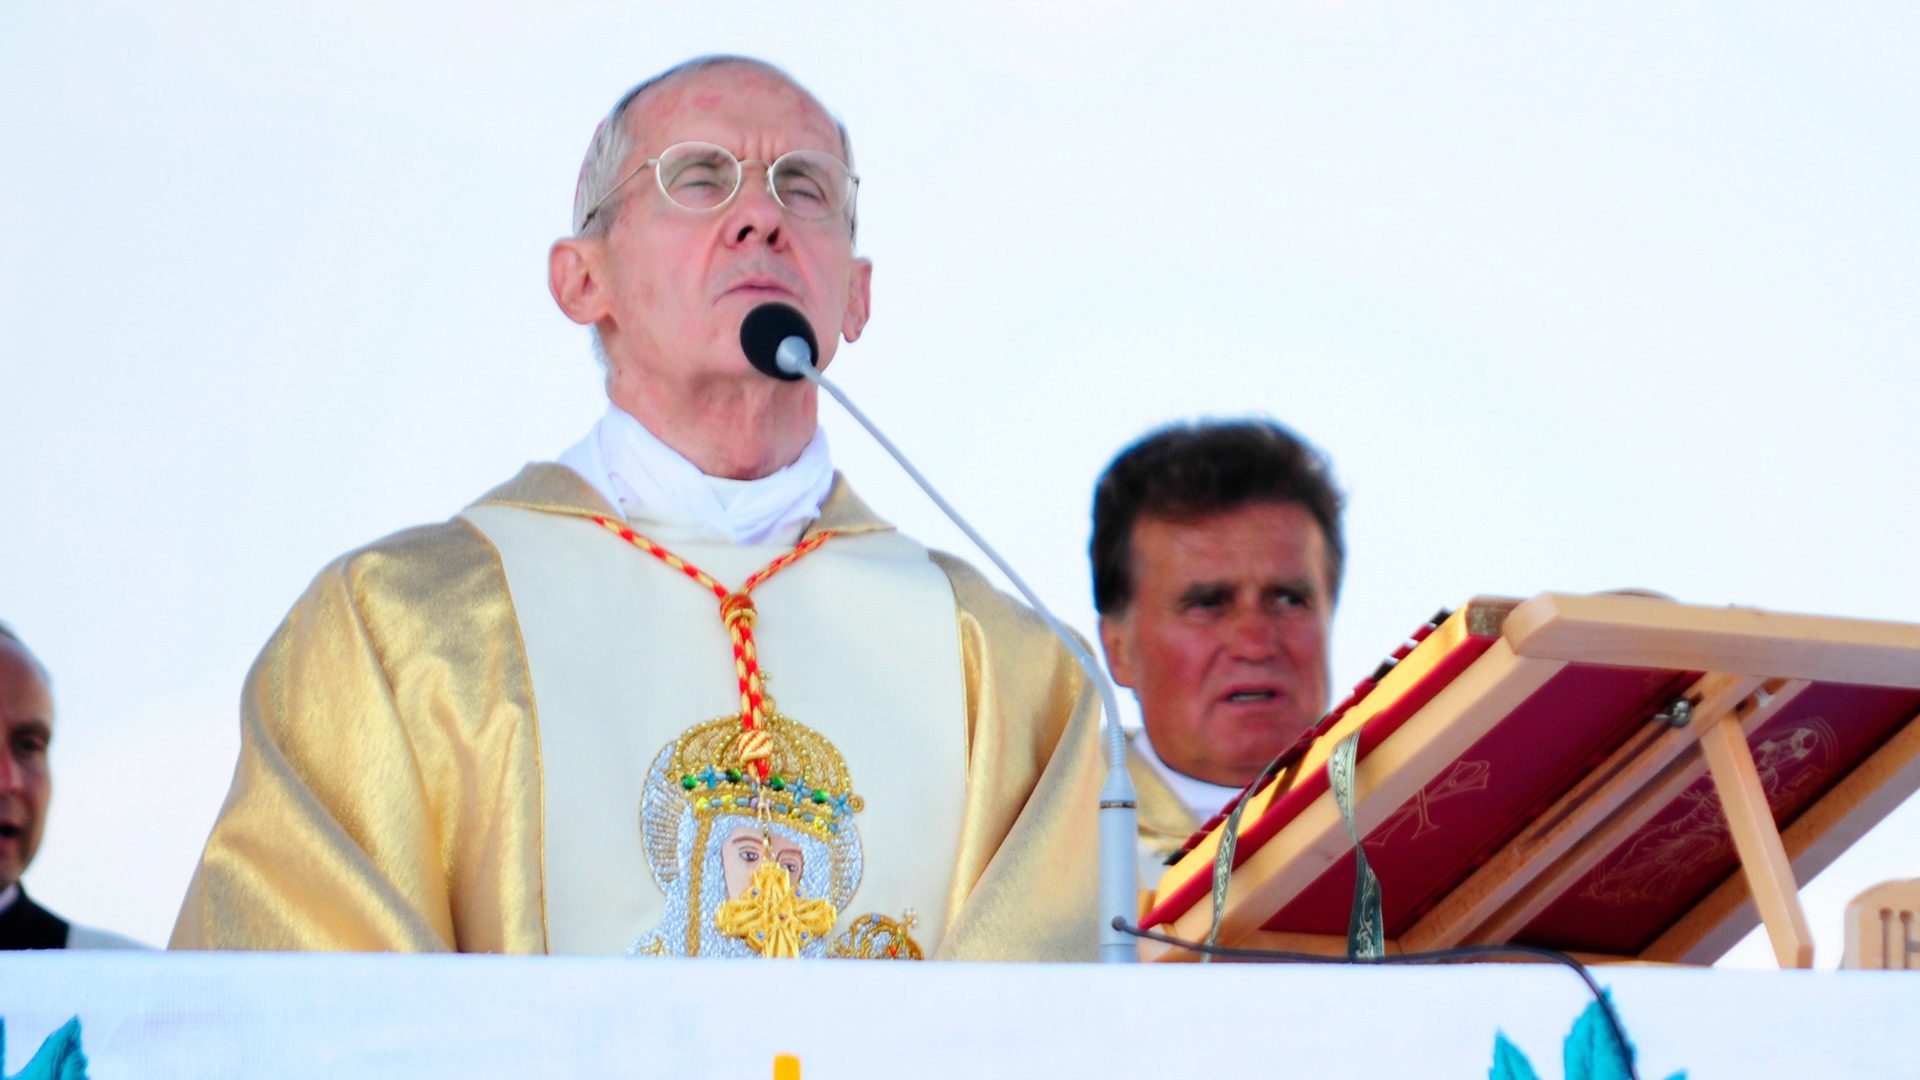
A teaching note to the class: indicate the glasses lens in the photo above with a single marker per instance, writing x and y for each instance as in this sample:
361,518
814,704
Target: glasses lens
698,176
810,184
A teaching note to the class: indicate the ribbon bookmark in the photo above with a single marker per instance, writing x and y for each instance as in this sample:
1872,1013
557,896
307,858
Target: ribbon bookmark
1366,932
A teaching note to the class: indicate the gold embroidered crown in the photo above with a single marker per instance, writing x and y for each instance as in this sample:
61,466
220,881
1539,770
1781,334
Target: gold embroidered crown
807,785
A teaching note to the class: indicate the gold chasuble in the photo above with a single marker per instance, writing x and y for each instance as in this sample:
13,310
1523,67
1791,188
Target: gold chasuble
1164,821
519,731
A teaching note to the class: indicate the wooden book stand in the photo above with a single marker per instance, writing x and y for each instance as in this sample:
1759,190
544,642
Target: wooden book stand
1883,928
1618,776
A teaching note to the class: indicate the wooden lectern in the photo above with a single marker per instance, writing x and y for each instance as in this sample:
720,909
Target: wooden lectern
1617,776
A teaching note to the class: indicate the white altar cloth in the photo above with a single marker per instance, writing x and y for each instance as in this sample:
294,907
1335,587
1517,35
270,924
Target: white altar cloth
259,1015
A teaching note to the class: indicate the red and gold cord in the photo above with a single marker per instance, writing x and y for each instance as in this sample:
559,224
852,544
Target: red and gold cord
737,613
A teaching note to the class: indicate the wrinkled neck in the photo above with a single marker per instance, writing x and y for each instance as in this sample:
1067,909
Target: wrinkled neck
737,428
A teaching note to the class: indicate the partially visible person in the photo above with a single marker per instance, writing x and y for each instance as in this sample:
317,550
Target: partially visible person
1216,563
26,786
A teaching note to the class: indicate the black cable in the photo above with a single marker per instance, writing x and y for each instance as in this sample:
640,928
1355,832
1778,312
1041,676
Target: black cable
1456,954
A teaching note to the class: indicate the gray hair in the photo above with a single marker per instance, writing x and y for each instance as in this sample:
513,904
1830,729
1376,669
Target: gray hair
613,140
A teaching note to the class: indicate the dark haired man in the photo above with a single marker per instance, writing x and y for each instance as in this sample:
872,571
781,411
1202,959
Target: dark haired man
1216,563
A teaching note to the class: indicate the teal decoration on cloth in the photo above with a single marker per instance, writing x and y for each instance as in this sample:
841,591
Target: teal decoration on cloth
1591,1053
1508,1062
59,1057
1366,930
1593,1050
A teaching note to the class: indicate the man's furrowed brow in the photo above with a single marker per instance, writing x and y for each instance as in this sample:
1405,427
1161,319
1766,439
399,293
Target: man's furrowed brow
1205,592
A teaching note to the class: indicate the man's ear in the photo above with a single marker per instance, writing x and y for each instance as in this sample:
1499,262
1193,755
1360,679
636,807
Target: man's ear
574,278
859,300
1117,644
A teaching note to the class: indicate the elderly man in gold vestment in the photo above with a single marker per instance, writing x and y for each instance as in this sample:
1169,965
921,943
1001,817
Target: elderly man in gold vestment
1216,563
679,693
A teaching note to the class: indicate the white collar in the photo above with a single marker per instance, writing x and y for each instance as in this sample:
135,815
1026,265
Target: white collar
1200,798
654,486
9,895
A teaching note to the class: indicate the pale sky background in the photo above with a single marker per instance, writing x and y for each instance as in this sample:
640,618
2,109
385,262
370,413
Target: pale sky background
1577,295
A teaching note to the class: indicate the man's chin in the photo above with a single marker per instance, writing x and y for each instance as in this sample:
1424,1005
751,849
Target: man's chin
14,857
1255,756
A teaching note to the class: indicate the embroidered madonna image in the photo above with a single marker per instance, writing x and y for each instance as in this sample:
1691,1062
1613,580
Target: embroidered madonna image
749,868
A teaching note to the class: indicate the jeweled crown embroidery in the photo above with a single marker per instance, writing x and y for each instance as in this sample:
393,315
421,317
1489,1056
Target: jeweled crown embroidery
710,830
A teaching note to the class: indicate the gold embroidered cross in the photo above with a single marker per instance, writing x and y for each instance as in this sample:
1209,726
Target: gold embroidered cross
771,918
1465,778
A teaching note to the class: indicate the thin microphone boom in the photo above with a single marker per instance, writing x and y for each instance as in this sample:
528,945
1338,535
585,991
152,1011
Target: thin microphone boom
782,340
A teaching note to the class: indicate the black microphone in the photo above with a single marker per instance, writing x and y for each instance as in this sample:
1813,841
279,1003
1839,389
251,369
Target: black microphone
778,341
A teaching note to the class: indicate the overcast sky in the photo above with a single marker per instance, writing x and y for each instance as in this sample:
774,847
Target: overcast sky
1576,295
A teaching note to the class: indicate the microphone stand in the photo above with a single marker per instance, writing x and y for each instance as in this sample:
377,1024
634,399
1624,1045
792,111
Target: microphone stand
1119,855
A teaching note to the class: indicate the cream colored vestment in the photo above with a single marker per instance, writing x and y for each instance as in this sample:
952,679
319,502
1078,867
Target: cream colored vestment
398,787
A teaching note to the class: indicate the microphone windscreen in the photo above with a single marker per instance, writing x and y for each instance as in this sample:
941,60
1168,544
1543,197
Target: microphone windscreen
765,327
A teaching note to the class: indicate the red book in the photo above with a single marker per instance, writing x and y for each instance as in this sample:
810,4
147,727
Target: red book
1533,772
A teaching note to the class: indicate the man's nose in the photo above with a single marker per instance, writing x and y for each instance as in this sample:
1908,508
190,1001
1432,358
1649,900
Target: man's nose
754,214
1254,635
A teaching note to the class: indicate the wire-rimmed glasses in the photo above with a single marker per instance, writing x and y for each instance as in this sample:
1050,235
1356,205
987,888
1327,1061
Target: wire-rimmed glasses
812,185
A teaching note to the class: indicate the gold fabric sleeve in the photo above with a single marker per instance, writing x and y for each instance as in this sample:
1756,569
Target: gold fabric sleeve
1165,822
1025,881
387,795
